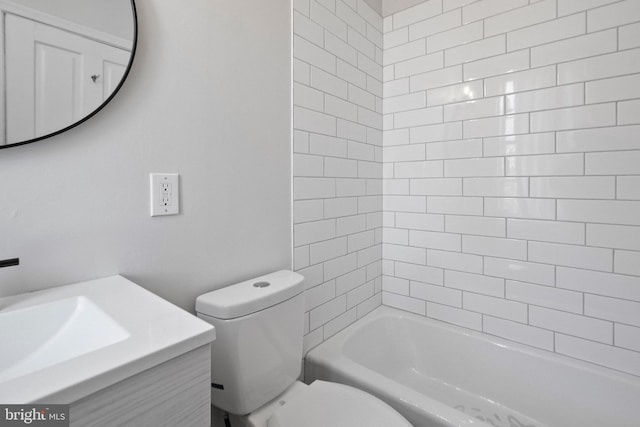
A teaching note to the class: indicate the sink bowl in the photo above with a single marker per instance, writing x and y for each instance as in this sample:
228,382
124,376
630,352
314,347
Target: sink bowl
46,334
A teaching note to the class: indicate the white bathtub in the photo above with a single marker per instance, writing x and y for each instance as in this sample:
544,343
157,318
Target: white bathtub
436,374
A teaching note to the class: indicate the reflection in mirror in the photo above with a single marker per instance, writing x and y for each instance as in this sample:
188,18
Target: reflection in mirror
62,61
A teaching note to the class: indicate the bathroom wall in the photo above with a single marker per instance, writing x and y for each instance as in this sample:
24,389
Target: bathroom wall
208,97
337,169
512,171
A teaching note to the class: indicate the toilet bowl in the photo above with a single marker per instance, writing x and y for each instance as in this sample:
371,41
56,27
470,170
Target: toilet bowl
256,361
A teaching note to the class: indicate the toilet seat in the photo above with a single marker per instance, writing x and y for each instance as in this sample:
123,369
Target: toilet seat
325,404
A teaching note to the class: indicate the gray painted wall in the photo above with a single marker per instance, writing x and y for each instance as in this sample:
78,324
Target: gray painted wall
208,97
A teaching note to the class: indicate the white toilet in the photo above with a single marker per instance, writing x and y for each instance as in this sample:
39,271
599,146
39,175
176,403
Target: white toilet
256,361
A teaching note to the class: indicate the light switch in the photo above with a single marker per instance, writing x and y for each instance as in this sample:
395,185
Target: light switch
165,193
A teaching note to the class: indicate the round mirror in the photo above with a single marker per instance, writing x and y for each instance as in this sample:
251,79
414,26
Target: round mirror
61,62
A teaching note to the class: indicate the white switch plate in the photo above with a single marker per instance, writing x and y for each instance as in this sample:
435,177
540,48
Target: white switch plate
165,193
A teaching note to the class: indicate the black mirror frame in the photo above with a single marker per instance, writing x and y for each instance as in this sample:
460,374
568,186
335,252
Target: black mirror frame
113,94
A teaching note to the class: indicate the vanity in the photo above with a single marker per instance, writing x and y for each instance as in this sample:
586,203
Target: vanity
115,352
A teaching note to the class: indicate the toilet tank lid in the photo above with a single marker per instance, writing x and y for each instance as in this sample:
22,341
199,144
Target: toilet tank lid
250,296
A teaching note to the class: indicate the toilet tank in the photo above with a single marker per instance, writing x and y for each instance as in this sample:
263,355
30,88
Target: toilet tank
257,353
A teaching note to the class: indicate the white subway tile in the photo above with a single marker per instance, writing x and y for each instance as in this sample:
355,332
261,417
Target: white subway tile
396,236
571,324
520,81
301,6
628,187
339,323
417,13
519,18
548,32
344,168
340,49
454,4
307,97
436,187
434,240
603,66
501,64
629,112
307,29
497,247
567,7
546,231
420,273
311,232
361,151
300,257
329,4
438,294
400,153
571,256
602,139
327,249
613,163
496,187
395,285
454,93
434,25
604,211
328,20
545,99
359,241
328,83
301,72
496,126
418,65
327,311
454,261
350,281
454,205
542,274
629,36
404,51
313,188
338,207
349,130
546,164
405,303
425,169
351,17
574,118
350,187
418,221
627,262
546,296
437,78
476,167
480,10
474,109
396,38
369,204
437,132
307,165
475,50
454,37
410,101
339,266
361,97
395,87
419,117
313,121
613,309
474,225
370,66
575,48
340,108
520,208
351,74
474,283
625,12
497,307
456,316
360,294
312,54
613,236
627,337
369,256
313,276
517,145
405,203
595,282
320,294
398,187
613,89
602,354
518,332
454,149
307,210
574,187
369,14
396,137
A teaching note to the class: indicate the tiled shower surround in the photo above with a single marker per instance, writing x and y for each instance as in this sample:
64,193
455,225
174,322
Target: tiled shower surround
337,161
511,172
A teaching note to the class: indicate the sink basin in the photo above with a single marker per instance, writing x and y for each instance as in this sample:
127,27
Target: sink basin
46,334
62,344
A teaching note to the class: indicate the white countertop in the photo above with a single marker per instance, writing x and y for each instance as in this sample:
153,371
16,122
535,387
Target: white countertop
158,331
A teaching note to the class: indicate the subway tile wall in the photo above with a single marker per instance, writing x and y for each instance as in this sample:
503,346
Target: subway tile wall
337,161
511,166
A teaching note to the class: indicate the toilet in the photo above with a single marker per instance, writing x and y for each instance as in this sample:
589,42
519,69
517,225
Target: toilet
256,361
